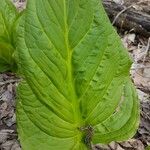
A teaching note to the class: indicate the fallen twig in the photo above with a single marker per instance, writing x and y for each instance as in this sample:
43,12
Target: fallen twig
125,9
147,49
131,20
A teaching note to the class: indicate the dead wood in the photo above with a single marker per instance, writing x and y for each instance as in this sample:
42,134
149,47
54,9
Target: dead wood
129,19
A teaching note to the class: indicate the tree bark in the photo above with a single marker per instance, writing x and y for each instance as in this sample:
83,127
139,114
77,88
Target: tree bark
131,19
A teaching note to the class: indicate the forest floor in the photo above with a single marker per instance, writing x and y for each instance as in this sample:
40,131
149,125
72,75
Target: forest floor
138,48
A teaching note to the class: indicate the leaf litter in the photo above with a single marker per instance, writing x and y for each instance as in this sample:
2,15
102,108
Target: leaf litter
139,50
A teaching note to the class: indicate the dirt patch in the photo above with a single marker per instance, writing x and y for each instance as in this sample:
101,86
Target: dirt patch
139,49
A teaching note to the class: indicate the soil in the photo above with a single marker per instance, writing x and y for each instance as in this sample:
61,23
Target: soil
138,48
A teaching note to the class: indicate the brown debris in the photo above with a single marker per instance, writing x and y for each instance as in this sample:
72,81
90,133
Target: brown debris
140,71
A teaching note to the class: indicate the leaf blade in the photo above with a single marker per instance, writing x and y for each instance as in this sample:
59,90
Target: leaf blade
8,18
72,80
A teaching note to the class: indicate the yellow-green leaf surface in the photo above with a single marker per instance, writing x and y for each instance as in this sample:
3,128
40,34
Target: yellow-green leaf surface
76,87
8,17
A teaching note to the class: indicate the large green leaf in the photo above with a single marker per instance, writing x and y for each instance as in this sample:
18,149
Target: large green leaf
76,87
8,18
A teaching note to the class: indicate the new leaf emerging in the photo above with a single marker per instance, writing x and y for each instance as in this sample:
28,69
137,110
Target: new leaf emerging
8,19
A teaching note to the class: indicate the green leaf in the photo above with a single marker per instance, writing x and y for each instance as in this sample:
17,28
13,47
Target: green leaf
148,148
8,17
76,87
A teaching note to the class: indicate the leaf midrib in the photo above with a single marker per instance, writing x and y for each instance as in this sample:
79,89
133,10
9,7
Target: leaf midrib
75,103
